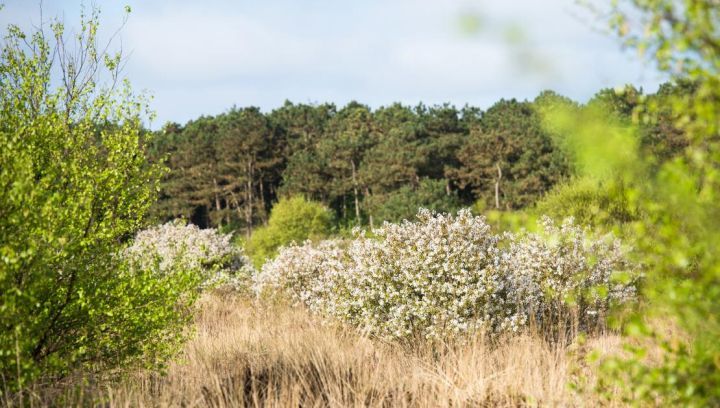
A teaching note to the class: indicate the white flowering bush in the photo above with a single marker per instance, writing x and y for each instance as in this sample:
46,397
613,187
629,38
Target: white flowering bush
444,275
309,273
435,277
176,246
562,270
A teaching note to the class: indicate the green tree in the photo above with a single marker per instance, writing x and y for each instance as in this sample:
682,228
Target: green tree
301,124
395,156
189,190
680,233
306,170
618,104
248,167
444,131
348,136
509,160
597,203
75,184
660,137
225,169
291,220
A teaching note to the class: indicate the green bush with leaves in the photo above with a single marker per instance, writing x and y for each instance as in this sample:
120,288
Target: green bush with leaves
591,202
679,232
75,184
293,219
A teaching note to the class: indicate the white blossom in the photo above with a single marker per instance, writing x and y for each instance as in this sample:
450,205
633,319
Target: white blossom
444,275
175,246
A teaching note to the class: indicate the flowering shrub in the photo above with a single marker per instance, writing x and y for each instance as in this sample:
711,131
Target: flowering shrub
435,276
444,275
309,273
561,270
175,246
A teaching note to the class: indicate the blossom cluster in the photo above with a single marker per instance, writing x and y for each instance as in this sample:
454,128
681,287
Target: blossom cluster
562,270
443,275
177,246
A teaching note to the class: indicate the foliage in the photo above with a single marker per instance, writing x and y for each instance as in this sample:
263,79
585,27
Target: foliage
293,219
509,160
303,126
616,104
227,169
509,221
593,203
349,135
403,203
661,139
223,169
177,246
397,153
680,234
76,184
446,275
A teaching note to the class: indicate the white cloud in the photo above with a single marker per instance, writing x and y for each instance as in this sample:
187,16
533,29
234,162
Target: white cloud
203,57
184,44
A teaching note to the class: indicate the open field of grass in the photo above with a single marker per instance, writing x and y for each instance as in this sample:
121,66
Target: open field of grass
249,354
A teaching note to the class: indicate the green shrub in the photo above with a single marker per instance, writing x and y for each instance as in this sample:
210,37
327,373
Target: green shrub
512,221
506,221
75,186
672,357
590,202
292,219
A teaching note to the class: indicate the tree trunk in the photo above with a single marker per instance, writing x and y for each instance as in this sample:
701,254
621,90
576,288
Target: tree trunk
217,201
248,200
497,186
227,211
262,202
344,207
237,204
355,190
370,217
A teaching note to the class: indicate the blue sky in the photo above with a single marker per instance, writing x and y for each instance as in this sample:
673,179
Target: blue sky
202,57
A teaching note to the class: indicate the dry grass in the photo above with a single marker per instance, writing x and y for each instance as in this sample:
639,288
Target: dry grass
252,355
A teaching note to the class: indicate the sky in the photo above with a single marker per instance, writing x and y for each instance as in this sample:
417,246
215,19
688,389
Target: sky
203,57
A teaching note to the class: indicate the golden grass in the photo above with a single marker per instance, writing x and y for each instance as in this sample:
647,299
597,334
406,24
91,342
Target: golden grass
245,354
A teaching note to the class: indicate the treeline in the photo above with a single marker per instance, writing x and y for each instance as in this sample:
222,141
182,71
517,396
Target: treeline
374,165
